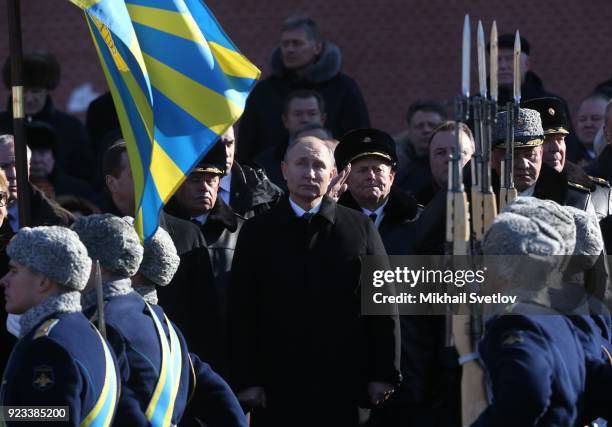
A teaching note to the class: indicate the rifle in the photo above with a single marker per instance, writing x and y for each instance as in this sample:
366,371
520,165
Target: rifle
507,192
457,213
100,298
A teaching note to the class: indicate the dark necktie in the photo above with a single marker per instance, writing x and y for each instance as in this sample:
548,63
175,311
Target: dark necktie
373,217
308,217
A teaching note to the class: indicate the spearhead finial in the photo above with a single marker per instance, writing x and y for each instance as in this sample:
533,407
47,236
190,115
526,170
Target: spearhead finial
494,63
465,58
517,68
482,63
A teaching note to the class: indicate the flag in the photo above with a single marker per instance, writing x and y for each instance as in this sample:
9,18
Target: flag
177,81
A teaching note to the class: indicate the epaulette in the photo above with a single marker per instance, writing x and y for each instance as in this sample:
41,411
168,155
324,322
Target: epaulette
44,329
598,180
579,186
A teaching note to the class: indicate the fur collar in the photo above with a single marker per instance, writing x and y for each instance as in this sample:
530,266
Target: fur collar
65,302
110,289
147,292
222,214
326,66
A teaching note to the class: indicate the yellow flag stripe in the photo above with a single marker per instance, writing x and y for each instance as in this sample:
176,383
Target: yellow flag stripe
166,174
126,127
233,63
191,96
85,4
183,25
175,23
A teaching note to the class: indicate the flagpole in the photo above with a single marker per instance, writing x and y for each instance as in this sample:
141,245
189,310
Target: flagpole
16,55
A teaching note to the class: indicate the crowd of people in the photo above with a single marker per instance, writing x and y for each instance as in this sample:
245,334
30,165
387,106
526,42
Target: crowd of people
248,298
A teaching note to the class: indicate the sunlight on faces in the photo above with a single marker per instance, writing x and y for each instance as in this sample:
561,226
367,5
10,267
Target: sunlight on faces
22,288
554,151
442,146
308,169
298,49
9,166
370,181
422,123
591,115
198,194
229,141
527,165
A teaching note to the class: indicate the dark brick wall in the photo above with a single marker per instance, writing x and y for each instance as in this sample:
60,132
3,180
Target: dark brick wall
397,50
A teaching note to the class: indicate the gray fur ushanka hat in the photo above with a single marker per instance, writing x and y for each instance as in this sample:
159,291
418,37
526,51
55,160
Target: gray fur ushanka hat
528,131
111,240
160,260
55,252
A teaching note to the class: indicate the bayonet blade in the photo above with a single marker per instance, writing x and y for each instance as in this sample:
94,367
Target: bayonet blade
494,63
517,68
482,63
465,58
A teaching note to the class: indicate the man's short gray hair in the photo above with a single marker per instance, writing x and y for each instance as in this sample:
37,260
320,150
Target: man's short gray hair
299,140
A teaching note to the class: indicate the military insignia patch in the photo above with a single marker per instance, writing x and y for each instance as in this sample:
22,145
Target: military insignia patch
511,338
43,378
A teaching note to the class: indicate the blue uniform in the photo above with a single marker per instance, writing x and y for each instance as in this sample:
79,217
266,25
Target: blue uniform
593,332
63,362
133,329
536,370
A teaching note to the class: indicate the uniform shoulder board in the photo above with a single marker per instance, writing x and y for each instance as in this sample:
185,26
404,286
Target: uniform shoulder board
578,186
44,329
600,181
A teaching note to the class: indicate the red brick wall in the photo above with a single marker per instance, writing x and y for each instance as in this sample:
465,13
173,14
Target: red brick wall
397,50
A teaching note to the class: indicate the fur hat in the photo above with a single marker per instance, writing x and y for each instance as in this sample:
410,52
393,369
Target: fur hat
550,213
111,240
55,252
528,131
160,260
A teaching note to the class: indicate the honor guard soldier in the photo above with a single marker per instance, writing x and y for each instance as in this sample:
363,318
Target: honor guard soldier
155,364
583,191
213,402
60,358
533,356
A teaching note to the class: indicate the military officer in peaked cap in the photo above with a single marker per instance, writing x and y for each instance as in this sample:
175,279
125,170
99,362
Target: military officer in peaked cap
582,191
371,190
60,358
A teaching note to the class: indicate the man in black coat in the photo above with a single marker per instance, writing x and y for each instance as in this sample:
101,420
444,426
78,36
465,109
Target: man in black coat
299,345
303,60
198,200
371,190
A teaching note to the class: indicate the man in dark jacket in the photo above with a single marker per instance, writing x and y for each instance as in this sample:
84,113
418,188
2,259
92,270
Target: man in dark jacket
41,74
303,60
299,345
198,200
370,190
246,189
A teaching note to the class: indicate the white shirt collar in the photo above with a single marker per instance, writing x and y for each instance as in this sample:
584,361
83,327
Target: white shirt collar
300,212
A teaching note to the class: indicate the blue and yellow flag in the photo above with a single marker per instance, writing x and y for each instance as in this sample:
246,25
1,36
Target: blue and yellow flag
177,81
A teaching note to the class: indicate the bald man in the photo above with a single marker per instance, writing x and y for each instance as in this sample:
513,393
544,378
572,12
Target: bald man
299,346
